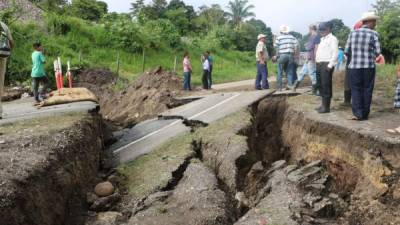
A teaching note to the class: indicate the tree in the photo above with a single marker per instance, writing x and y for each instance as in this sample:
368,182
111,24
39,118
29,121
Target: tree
210,17
262,28
179,19
245,37
88,9
383,6
389,31
51,5
240,10
136,7
340,30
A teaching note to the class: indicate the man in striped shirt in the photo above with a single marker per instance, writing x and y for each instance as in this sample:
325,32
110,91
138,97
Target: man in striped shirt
364,48
286,46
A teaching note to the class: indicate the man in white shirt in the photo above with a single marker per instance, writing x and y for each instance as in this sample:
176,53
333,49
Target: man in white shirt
326,59
6,44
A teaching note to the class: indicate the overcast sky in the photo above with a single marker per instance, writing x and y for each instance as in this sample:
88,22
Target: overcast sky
295,13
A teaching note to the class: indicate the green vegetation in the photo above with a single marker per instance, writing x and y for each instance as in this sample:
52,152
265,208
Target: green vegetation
160,30
84,32
142,177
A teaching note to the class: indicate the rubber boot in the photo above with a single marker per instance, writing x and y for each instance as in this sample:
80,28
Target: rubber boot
347,99
326,106
314,89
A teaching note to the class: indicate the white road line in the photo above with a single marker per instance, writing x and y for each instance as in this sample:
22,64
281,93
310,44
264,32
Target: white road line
176,122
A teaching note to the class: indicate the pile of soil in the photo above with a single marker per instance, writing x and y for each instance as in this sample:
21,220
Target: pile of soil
152,93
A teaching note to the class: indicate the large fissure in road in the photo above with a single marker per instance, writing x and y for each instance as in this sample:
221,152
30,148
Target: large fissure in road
275,165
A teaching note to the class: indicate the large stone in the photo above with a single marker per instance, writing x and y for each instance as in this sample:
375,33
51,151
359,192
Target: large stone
104,189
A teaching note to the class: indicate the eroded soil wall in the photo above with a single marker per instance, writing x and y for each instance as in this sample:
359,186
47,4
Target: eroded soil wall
50,188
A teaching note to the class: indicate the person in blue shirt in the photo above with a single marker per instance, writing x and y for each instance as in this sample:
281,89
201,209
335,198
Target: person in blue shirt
340,58
38,72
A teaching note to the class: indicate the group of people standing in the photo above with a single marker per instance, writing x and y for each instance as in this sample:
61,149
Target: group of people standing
362,52
207,61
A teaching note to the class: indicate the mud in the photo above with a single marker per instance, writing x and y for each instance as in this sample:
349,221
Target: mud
152,93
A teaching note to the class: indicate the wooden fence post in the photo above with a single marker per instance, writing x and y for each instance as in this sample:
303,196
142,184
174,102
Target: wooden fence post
144,60
175,62
118,63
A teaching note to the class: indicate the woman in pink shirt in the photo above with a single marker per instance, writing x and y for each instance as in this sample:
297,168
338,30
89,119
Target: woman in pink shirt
187,72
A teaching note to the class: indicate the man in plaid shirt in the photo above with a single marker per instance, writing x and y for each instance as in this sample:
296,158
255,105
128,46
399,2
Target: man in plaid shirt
364,48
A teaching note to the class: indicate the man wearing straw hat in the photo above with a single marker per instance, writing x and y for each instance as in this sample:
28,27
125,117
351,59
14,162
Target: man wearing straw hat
262,70
365,50
286,46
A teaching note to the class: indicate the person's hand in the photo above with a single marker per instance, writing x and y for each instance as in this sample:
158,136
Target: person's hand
330,67
274,59
262,62
380,60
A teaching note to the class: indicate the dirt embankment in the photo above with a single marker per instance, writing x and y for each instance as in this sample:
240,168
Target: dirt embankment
151,94
47,166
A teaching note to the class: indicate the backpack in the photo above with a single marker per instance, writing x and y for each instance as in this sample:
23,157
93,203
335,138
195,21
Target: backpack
5,48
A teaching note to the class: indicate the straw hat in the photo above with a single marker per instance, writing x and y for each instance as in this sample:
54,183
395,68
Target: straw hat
369,16
261,36
284,29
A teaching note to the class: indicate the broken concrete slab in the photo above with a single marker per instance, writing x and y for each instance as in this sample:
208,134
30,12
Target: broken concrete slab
196,200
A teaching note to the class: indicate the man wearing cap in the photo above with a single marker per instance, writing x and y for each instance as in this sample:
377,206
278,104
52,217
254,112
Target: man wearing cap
286,46
326,59
7,41
364,48
262,70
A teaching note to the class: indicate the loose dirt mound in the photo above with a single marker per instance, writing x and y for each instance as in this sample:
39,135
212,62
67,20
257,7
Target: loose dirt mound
151,94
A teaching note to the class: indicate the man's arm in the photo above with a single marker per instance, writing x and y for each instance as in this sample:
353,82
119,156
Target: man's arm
377,44
334,52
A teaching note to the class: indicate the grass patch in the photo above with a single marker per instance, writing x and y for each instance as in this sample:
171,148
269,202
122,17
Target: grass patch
152,172
43,125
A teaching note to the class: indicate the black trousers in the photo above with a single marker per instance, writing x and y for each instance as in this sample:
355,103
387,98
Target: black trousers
324,79
36,81
362,87
206,79
210,77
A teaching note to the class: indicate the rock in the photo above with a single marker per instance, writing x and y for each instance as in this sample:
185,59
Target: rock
105,218
324,208
114,179
105,203
396,192
242,199
104,189
305,173
91,198
257,167
25,95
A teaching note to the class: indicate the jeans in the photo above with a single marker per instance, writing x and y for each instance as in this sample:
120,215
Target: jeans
362,82
262,76
186,81
35,83
285,63
205,79
325,75
3,63
309,69
210,77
